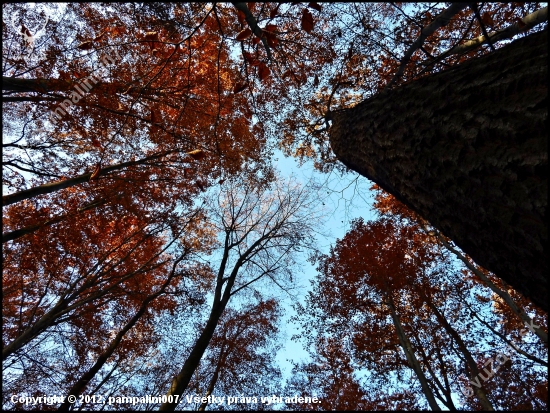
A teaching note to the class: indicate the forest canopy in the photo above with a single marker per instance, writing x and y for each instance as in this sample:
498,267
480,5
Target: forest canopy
152,251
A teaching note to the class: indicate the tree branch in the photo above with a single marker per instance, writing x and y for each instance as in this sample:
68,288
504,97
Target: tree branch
442,20
253,24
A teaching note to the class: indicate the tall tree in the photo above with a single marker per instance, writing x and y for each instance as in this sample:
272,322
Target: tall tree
262,225
240,357
453,148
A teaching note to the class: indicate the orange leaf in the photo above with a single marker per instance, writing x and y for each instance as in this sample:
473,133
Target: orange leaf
307,21
87,45
245,34
315,6
95,173
116,31
263,71
239,87
197,154
270,28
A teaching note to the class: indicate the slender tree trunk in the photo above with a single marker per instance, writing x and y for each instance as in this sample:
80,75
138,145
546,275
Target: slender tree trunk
81,384
210,388
411,358
445,387
181,381
472,365
467,149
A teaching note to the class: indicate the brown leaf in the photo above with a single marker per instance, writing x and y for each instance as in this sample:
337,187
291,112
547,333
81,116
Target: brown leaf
245,34
307,21
155,117
25,31
153,36
87,45
96,143
239,87
315,6
272,41
197,154
273,13
242,17
487,19
263,71
251,59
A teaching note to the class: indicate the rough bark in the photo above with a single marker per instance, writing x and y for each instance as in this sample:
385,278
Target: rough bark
467,150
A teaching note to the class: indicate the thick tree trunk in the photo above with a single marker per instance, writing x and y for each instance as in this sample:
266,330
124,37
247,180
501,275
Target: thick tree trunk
467,149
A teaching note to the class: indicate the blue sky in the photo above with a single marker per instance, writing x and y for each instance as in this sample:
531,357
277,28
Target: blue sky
347,197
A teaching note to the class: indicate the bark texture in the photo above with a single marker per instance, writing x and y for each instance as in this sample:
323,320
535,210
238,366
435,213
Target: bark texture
467,149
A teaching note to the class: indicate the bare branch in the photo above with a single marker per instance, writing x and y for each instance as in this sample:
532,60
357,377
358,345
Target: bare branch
527,23
442,20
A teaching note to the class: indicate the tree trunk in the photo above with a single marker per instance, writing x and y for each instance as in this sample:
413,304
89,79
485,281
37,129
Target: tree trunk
411,357
474,373
467,150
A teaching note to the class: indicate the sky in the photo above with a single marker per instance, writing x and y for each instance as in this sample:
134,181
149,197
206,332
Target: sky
347,197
